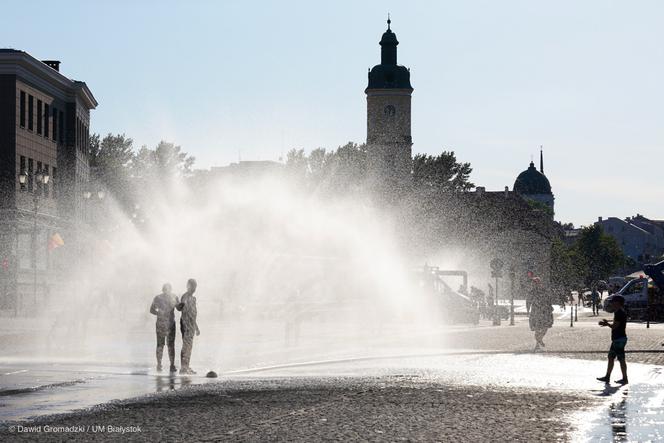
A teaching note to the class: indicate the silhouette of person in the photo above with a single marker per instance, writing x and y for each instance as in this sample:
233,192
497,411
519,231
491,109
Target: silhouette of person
163,306
541,312
188,325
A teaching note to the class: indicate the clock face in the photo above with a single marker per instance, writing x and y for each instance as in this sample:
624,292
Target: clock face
390,110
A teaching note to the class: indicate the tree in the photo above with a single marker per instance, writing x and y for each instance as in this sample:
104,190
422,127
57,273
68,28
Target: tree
599,254
110,159
441,172
337,172
162,165
566,271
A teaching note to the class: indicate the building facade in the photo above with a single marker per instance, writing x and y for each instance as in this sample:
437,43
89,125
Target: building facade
640,238
44,132
389,141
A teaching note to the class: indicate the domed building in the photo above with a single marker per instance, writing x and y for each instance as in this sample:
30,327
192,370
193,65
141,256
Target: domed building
533,185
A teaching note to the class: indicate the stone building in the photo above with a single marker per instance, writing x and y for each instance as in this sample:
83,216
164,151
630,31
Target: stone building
389,142
44,132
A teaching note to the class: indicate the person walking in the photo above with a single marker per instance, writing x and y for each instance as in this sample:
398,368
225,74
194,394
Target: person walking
188,325
163,306
594,298
618,338
541,312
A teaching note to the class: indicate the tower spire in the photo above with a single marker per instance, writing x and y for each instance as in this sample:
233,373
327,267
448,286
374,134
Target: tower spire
541,160
388,21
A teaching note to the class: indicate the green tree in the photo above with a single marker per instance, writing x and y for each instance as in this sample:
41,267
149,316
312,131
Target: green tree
337,172
110,159
161,165
441,172
598,253
566,272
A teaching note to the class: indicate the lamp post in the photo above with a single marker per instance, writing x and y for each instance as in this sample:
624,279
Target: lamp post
42,179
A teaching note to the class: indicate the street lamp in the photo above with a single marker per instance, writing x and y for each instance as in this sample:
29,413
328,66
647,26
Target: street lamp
42,178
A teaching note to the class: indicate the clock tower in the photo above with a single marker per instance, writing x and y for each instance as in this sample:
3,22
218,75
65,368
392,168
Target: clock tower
389,143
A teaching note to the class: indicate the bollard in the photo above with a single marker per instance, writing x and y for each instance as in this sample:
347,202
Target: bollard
647,318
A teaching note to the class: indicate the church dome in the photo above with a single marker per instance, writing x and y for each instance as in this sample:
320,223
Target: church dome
389,75
532,182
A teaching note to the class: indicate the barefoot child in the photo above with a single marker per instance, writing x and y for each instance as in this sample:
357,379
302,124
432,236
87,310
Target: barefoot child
618,338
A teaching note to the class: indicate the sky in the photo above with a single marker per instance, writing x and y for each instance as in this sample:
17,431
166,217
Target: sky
493,81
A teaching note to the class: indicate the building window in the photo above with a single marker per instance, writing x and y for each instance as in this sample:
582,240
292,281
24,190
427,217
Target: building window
24,248
39,117
37,183
21,171
61,127
46,186
54,180
41,250
55,124
30,170
78,134
31,112
22,109
46,121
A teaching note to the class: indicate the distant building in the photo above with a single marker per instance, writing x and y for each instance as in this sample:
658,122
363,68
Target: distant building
44,129
248,169
389,141
640,238
533,185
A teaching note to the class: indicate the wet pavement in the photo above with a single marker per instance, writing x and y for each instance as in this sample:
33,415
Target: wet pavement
494,364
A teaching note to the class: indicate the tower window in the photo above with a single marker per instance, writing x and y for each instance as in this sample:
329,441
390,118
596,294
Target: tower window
22,109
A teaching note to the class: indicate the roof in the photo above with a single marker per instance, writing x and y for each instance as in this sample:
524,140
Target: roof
21,63
388,74
532,182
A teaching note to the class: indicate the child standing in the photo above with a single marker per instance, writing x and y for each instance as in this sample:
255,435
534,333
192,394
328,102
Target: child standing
618,338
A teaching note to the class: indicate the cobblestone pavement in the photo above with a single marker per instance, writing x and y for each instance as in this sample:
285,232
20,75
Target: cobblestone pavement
340,409
586,339
390,405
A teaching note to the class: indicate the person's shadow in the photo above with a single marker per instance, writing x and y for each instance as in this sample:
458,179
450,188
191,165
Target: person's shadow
607,391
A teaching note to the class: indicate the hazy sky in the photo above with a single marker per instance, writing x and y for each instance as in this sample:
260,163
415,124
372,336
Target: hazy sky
493,80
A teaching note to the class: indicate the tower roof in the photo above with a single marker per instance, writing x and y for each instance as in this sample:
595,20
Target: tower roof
388,74
532,182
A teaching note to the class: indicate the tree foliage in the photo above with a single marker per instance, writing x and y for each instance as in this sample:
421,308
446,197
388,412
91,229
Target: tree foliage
598,254
329,172
344,169
441,172
110,159
121,170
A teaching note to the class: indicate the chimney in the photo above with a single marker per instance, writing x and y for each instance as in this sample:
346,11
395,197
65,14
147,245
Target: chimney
480,190
599,219
54,64
507,191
